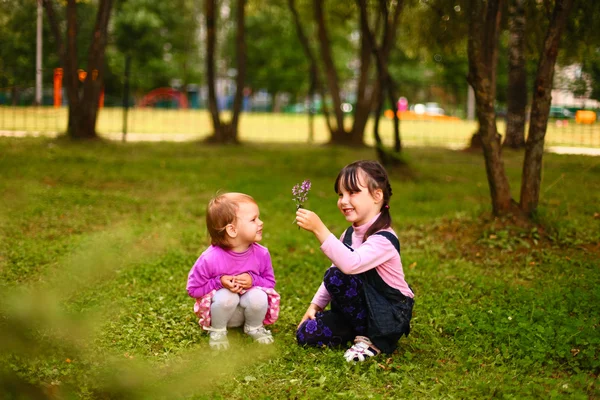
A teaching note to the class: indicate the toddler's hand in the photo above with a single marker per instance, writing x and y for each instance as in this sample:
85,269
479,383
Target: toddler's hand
228,282
243,280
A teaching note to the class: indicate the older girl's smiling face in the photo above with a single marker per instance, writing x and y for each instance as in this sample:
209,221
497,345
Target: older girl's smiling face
359,207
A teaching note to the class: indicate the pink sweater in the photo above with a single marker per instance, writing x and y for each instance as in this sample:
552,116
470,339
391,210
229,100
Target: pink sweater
376,252
215,262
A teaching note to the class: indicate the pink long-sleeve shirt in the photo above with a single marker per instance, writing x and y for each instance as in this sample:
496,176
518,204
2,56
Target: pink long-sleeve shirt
215,262
376,252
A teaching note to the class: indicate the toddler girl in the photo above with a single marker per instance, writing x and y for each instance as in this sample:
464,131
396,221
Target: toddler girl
233,281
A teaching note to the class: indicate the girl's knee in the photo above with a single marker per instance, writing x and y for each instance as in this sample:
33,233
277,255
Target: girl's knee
225,299
254,299
301,335
312,332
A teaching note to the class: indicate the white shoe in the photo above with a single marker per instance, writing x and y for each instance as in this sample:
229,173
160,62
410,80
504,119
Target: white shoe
218,340
362,349
260,334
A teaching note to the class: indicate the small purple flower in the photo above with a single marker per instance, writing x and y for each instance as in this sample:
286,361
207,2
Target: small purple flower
351,292
361,315
327,332
300,192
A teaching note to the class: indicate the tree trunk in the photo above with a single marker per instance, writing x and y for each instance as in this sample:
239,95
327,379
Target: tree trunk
389,37
225,132
517,77
14,94
364,99
92,85
385,82
83,102
484,27
540,108
240,49
315,82
339,133
209,11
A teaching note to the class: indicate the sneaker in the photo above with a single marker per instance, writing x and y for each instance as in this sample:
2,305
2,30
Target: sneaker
362,349
218,340
260,334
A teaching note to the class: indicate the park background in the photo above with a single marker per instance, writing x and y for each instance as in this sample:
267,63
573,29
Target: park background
97,235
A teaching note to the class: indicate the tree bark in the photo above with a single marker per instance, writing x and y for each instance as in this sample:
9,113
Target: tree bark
386,83
484,28
225,132
339,133
517,77
540,108
94,81
241,68
210,17
315,82
83,102
364,97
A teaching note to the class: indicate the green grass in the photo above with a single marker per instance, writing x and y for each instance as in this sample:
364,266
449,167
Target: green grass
96,240
267,127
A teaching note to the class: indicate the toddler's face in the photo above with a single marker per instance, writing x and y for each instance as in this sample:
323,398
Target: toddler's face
248,224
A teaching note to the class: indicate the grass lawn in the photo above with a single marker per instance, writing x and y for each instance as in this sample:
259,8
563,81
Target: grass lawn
271,128
96,240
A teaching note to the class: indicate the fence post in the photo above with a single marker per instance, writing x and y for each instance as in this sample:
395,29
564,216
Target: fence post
126,94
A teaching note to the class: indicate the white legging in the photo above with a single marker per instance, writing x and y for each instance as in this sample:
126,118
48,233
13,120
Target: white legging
230,309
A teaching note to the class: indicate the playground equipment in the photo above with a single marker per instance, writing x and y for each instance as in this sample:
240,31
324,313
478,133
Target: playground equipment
164,93
81,74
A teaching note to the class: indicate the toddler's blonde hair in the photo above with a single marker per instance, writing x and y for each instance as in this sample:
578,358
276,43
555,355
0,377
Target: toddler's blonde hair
221,211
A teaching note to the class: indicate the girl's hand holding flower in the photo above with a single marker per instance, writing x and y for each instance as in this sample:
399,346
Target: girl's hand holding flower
311,222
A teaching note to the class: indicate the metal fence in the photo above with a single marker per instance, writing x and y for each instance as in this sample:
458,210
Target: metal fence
167,120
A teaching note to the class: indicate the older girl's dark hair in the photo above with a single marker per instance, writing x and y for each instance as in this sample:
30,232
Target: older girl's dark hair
377,178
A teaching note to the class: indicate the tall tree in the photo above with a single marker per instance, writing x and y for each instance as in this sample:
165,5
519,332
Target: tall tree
83,101
225,132
331,76
517,76
386,84
315,82
484,29
364,90
483,47
540,108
